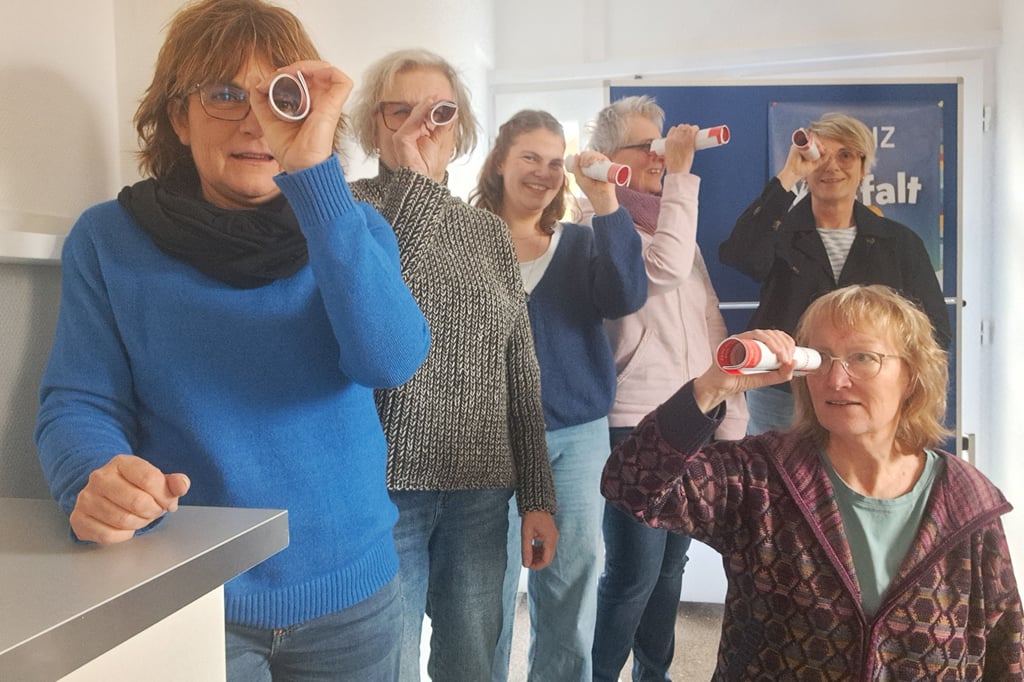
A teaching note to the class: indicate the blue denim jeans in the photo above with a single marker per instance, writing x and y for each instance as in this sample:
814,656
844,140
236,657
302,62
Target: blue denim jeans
562,597
451,549
637,596
771,409
358,643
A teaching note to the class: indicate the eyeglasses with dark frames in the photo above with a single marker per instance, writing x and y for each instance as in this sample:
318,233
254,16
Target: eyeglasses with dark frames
642,146
224,101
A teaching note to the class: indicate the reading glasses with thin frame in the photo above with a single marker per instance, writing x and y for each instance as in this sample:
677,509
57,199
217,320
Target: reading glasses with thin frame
861,364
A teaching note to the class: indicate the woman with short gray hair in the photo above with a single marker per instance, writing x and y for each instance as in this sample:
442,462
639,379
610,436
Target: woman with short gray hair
664,344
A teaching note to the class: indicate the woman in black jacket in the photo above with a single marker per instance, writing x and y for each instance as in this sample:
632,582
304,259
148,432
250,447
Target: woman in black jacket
826,241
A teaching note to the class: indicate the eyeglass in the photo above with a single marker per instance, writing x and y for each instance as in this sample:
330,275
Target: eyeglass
642,146
862,364
224,101
396,113
844,157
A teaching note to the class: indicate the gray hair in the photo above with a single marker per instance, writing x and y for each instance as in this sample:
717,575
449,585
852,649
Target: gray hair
609,132
381,74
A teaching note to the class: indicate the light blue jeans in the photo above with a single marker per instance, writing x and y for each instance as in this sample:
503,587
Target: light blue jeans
451,548
770,409
361,642
562,596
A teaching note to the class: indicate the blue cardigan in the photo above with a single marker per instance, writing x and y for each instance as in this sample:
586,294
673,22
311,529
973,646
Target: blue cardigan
263,397
595,274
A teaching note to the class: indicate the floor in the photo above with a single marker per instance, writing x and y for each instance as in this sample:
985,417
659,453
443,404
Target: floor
697,630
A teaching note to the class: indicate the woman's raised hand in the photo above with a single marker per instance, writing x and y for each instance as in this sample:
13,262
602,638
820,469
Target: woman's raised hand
680,145
301,144
600,193
796,168
715,385
424,146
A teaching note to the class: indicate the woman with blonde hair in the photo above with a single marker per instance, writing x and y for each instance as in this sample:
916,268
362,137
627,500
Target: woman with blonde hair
658,348
826,240
853,547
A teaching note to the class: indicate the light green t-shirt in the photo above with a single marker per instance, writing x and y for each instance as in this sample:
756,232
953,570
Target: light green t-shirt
881,531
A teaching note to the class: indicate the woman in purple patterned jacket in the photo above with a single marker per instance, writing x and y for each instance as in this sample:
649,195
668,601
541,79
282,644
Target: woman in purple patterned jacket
854,549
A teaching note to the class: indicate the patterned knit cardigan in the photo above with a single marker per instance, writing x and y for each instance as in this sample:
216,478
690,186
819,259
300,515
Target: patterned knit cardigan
471,417
792,608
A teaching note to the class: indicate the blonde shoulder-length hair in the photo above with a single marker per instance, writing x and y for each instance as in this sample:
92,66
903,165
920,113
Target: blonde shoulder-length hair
880,309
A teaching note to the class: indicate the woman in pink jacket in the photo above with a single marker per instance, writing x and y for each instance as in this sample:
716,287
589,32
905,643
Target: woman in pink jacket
667,342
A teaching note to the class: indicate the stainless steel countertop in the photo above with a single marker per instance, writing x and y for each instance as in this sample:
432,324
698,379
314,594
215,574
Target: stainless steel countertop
64,603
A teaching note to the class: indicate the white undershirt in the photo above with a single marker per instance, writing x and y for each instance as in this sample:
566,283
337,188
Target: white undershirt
533,270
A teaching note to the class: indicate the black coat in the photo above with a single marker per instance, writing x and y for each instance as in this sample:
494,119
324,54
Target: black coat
780,248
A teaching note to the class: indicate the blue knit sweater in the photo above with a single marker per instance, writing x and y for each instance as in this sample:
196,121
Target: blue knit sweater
263,397
595,274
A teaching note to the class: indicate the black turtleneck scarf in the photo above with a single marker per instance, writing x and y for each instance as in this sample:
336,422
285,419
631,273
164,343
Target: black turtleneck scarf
243,248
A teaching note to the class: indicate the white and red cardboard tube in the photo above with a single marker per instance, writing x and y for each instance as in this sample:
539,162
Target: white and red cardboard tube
603,171
747,356
715,136
804,142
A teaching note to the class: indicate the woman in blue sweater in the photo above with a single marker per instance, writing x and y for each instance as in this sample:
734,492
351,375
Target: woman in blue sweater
222,327
575,278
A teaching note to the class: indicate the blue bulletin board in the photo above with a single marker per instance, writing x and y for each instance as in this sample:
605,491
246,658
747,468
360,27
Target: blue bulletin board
916,125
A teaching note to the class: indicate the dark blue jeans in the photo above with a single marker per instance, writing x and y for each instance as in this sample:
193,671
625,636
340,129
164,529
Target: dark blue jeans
361,642
637,595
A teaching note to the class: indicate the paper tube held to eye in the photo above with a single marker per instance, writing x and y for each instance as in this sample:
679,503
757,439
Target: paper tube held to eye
706,138
803,141
602,171
747,356
289,96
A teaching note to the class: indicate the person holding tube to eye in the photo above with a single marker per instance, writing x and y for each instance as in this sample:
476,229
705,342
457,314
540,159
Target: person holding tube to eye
222,327
854,549
468,430
575,277
656,349
826,240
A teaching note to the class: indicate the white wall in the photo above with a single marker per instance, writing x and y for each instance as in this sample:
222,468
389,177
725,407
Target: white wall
566,35
57,114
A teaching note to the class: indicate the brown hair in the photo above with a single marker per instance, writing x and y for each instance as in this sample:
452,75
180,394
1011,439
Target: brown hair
379,77
211,41
490,189
881,309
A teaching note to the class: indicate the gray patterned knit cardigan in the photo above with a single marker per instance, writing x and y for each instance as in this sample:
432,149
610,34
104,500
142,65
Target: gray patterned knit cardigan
471,417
